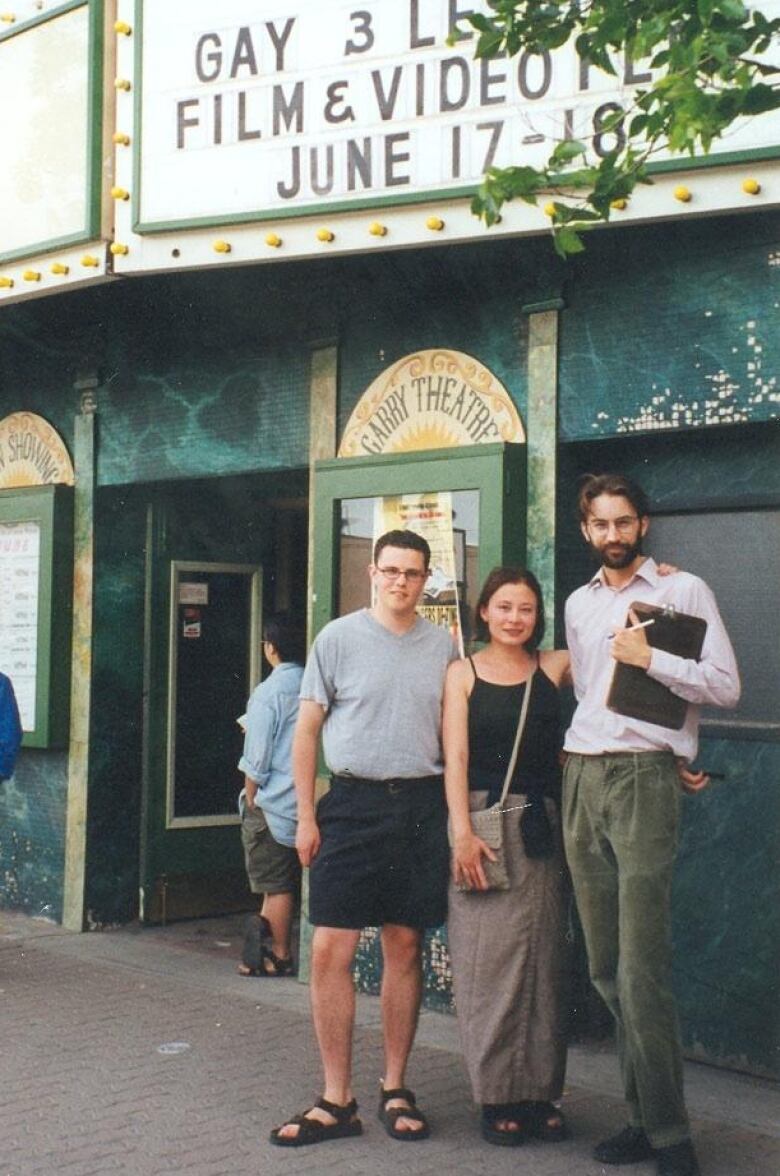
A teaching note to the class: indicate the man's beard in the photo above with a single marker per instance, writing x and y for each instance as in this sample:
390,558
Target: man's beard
618,555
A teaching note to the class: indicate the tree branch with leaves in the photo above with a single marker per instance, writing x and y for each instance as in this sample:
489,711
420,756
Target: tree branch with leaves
706,60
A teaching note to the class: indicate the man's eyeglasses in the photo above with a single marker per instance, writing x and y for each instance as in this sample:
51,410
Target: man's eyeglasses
623,526
413,576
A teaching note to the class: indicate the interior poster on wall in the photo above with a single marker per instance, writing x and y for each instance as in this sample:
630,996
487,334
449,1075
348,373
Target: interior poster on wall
429,515
19,577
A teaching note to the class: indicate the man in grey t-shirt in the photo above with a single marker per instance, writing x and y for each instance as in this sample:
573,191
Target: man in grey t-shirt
377,842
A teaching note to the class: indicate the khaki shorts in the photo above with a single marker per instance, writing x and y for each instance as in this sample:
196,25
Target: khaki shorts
271,868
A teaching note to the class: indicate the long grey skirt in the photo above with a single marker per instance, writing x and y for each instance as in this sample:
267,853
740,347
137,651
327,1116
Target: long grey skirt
509,970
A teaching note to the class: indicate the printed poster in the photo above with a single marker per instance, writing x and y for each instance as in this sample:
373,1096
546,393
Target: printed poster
429,515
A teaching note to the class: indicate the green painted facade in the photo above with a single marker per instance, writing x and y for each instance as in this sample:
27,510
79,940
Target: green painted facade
668,355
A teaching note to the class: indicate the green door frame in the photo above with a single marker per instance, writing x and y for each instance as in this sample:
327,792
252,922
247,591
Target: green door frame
191,867
497,471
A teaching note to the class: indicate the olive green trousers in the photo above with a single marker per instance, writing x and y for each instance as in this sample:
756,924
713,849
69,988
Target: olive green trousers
620,823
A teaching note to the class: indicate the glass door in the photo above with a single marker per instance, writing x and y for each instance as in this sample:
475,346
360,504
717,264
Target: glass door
469,503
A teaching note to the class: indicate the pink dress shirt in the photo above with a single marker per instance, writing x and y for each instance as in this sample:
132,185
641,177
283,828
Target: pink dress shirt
596,610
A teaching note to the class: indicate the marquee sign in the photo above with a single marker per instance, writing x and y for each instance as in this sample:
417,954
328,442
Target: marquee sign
32,453
260,109
431,400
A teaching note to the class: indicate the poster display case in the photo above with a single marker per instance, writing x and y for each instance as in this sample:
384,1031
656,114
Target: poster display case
36,577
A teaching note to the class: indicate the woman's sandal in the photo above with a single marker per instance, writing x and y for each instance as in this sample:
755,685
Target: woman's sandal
546,1122
495,1113
389,1116
274,965
345,1124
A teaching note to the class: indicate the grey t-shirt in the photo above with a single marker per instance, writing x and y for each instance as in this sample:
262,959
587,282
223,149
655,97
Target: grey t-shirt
383,692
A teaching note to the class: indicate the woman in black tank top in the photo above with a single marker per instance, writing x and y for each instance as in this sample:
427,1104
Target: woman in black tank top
508,948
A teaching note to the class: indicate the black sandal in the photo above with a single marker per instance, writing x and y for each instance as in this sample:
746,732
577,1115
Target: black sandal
279,966
256,930
389,1116
310,1130
495,1113
539,1125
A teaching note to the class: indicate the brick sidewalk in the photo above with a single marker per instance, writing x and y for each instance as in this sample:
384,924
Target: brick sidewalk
88,1089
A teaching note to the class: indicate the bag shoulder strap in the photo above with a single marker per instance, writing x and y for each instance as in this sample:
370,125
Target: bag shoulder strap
518,735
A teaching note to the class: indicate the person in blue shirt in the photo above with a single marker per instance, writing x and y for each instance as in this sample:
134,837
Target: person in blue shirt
10,728
267,802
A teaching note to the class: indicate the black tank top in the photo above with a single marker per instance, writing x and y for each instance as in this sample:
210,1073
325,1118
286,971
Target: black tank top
493,715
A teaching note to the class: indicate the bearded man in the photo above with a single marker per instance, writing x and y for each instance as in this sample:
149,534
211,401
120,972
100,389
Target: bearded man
621,801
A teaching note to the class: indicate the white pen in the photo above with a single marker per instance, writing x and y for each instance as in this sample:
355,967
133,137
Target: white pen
631,628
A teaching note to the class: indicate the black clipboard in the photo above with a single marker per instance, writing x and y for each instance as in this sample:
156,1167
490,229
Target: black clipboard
633,692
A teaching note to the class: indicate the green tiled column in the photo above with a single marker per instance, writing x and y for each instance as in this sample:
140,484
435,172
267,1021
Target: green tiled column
542,428
81,658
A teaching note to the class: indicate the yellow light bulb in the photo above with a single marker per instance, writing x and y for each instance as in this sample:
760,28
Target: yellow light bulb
377,230
751,187
122,28
120,194
58,267
435,224
221,246
273,240
122,84
682,194
32,275
619,204
121,139
118,249
7,18
549,209
6,283
325,235
89,261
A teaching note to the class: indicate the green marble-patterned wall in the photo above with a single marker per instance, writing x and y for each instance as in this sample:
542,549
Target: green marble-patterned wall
727,910
672,326
111,885
32,833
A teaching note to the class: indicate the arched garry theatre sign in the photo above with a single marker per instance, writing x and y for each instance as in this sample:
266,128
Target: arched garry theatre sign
433,399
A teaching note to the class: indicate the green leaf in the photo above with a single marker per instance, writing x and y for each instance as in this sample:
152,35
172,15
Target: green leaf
732,9
488,44
566,150
567,241
760,99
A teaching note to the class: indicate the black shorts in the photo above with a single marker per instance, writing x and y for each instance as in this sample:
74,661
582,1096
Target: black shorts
384,856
